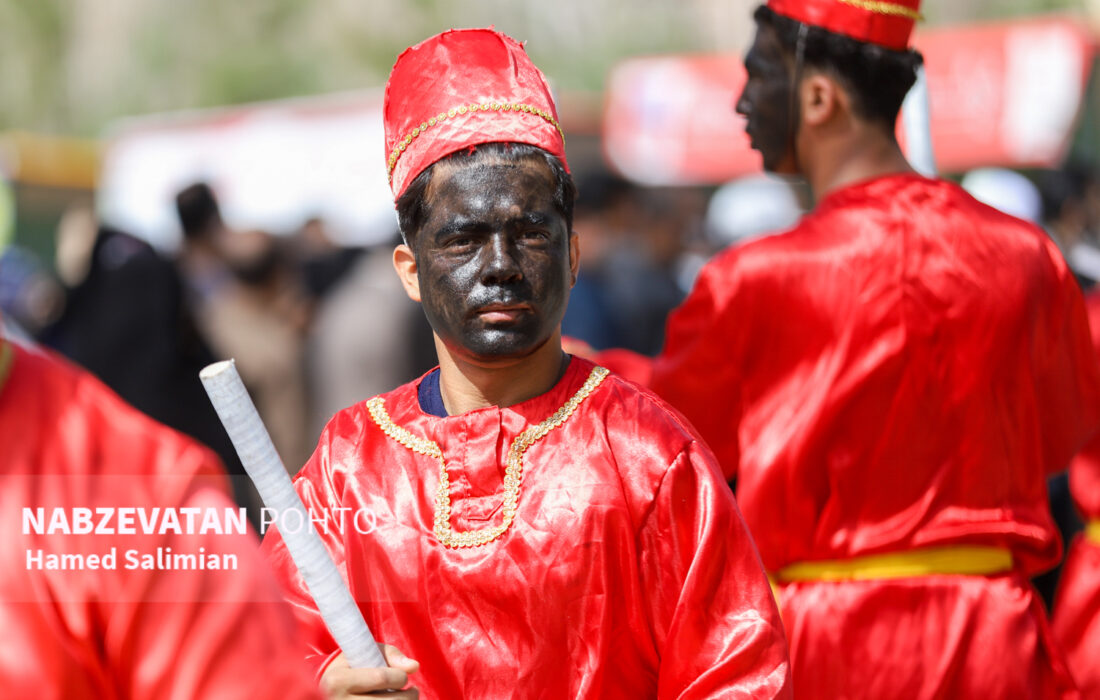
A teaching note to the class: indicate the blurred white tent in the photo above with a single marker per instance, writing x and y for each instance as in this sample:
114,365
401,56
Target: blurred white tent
273,165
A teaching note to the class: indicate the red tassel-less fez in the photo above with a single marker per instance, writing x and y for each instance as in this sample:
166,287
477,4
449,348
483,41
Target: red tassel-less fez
462,88
888,23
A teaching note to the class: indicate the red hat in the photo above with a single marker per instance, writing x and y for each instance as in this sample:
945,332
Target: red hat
888,23
459,89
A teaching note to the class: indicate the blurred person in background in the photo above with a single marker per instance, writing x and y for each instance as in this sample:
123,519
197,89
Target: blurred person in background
633,240
622,568
125,320
598,217
322,262
639,275
258,318
1071,219
888,384
29,293
365,336
200,260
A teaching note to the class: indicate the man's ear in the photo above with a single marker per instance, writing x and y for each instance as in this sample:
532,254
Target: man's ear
404,261
821,99
574,256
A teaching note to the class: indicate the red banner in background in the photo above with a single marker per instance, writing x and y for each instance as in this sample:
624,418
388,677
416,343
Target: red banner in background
1005,94
670,120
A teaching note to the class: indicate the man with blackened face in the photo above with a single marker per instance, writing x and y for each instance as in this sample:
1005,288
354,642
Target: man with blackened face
543,528
493,257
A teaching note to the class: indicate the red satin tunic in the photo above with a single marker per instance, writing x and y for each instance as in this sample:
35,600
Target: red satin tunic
901,370
1077,607
627,572
68,442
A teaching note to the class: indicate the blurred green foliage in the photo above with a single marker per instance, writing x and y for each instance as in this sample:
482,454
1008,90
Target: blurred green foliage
73,66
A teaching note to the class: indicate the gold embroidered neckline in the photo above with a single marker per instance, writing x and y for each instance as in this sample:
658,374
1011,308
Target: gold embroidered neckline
513,472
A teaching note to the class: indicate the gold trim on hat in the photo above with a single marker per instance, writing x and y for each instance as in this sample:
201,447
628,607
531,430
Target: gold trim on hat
885,8
403,143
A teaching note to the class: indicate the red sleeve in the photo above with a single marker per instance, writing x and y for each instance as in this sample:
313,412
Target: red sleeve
714,618
697,372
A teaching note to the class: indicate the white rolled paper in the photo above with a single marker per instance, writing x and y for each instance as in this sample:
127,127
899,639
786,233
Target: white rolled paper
261,461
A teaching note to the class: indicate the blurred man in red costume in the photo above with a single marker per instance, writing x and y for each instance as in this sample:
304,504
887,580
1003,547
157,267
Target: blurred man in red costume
87,614
540,529
1077,606
889,383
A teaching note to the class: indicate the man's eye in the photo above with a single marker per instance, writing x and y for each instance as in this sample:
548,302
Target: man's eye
535,235
460,242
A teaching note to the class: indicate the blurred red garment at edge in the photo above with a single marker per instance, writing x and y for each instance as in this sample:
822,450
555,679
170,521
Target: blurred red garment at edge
104,625
1077,606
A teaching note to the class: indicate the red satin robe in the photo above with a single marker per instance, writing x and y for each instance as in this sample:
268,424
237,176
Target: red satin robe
627,572
67,442
1077,607
901,370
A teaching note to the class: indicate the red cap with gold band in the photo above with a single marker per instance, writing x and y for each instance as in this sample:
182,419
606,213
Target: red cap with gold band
888,23
462,88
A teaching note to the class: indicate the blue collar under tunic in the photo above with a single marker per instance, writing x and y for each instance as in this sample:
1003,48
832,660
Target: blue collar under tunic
430,396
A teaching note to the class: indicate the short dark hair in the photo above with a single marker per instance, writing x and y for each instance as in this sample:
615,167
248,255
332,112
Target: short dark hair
198,211
411,206
877,78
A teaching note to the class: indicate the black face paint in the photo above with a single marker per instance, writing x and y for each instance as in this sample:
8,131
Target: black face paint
493,258
766,101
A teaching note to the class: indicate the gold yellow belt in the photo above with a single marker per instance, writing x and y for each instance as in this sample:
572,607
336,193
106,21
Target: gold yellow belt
967,560
1092,531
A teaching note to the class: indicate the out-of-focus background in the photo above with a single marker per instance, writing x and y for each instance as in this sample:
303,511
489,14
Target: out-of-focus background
205,179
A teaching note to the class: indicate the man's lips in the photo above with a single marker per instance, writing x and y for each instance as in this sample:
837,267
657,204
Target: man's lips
501,313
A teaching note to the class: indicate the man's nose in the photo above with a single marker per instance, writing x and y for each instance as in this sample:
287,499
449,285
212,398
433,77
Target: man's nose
500,263
741,105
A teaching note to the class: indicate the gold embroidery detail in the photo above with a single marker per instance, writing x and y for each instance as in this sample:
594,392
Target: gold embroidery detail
892,9
513,471
404,143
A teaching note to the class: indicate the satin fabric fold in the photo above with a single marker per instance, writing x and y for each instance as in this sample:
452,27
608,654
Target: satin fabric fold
1077,605
627,572
902,370
68,442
